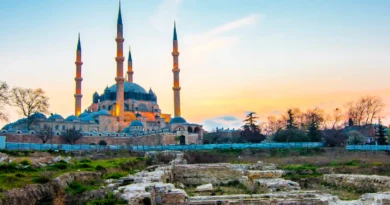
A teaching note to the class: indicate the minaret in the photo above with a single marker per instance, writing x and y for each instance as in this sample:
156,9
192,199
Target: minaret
130,68
119,68
78,80
176,84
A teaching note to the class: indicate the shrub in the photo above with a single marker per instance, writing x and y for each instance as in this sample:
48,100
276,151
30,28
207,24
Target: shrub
25,162
99,168
334,138
355,137
85,161
291,135
115,175
110,199
76,188
44,177
102,143
60,165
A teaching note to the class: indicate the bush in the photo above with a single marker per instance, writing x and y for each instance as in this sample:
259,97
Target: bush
44,177
110,199
77,188
291,135
356,138
114,175
25,162
99,168
102,143
334,138
60,165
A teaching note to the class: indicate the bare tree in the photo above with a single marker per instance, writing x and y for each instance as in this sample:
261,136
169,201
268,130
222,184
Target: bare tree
365,110
45,134
29,101
71,136
3,100
337,118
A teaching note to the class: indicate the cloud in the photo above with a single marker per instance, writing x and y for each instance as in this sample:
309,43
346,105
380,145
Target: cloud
165,14
248,20
225,121
228,118
215,38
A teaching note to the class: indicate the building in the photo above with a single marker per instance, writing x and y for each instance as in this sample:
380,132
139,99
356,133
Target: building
122,108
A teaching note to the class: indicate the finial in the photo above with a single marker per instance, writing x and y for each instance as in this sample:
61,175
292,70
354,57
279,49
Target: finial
119,14
79,44
130,59
174,31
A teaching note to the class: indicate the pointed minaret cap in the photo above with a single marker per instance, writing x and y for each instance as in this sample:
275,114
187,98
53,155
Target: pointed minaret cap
130,59
119,15
79,44
174,31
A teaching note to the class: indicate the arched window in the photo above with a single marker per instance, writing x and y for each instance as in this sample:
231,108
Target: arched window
63,128
189,129
56,127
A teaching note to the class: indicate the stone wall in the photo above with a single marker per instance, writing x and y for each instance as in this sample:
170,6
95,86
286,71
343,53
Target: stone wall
366,183
152,139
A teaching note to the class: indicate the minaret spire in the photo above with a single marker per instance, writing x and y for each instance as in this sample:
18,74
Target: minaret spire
130,67
119,109
176,83
78,79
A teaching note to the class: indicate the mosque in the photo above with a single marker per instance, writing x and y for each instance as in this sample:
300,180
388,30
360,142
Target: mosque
122,109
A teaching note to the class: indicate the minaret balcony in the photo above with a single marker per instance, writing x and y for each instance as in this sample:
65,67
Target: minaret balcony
78,79
175,53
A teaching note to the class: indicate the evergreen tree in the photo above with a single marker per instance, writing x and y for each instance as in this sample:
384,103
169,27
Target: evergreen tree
251,131
313,132
291,120
381,134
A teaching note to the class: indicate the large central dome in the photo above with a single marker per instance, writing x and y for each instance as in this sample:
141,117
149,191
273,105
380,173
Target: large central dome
129,87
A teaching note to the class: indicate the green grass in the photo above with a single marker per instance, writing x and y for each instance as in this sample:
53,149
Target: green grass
110,199
115,175
77,188
17,175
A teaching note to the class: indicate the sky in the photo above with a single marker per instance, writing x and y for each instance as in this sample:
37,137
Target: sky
235,56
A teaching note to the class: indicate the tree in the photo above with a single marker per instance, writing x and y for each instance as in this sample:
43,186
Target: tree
355,137
334,138
381,134
3,100
102,143
45,134
251,131
365,110
29,101
291,120
313,120
291,135
71,135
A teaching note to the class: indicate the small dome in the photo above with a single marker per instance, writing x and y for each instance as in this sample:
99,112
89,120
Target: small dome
136,123
138,115
38,115
177,120
96,94
84,114
72,118
103,112
87,119
126,130
56,117
23,120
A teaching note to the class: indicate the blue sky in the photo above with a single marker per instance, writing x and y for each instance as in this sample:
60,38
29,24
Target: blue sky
235,55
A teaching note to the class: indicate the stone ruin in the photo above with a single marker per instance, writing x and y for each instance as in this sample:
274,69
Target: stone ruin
155,185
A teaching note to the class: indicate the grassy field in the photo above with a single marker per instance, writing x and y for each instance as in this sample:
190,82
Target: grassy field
21,172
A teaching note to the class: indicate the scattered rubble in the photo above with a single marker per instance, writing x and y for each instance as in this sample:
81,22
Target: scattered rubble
204,187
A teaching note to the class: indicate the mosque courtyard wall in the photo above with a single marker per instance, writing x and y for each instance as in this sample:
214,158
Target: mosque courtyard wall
151,139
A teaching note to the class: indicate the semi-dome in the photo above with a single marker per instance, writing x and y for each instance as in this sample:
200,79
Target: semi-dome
177,120
103,112
136,123
38,115
56,117
72,118
129,87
